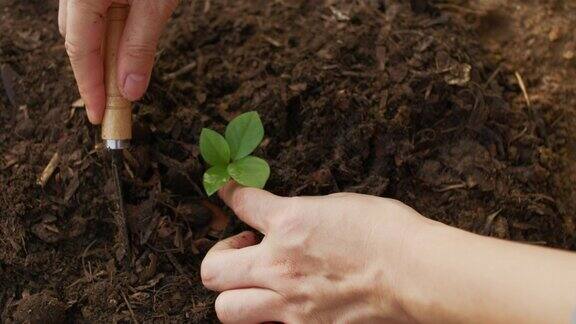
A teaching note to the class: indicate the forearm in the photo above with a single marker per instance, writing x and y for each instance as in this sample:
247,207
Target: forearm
449,275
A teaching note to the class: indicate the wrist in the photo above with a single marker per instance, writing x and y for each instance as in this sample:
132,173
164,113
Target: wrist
433,256
415,270
401,232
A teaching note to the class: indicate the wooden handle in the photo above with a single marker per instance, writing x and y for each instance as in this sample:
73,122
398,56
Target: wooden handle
117,122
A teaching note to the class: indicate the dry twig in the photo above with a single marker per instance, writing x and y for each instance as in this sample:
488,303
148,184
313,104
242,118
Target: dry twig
49,170
129,307
489,220
523,88
183,70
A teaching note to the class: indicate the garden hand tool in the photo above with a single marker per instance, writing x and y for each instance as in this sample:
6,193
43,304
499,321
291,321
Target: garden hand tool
117,122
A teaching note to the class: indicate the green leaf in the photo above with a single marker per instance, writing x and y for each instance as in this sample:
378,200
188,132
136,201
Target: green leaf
215,178
214,148
244,134
250,171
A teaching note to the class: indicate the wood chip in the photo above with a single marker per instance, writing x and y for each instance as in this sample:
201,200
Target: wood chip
78,103
24,110
49,170
272,41
298,87
489,220
339,15
47,233
207,5
9,162
554,33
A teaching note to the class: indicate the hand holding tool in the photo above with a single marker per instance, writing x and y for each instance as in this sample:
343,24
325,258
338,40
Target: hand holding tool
117,122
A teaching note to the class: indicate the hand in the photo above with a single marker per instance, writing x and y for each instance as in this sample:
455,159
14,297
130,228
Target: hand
349,258
82,23
333,259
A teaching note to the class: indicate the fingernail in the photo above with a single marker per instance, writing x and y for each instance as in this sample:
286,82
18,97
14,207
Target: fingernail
134,86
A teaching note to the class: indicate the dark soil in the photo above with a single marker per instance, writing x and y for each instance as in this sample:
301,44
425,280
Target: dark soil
412,100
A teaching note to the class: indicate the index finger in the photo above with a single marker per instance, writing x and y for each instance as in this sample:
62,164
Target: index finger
85,27
254,206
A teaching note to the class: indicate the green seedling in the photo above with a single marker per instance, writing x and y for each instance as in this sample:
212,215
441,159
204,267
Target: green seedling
229,156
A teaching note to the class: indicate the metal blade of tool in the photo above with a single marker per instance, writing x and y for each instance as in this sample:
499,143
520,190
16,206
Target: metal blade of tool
124,252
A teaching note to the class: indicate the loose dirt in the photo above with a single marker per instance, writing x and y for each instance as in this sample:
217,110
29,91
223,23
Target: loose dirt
419,101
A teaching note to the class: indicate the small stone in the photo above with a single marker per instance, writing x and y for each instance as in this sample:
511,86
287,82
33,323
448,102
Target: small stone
78,103
501,228
568,55
554,34
47,219
47,232
298,87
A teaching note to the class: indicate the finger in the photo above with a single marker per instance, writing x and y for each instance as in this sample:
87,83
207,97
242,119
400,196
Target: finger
230,263
62,16
138,45
254,206
85,27
252,305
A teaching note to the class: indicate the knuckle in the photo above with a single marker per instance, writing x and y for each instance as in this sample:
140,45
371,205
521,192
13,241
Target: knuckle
140,51
340,195
207,273
392,206
77,52
73,49
396,203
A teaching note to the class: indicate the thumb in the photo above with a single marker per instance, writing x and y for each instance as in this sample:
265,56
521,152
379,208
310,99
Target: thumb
145,23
